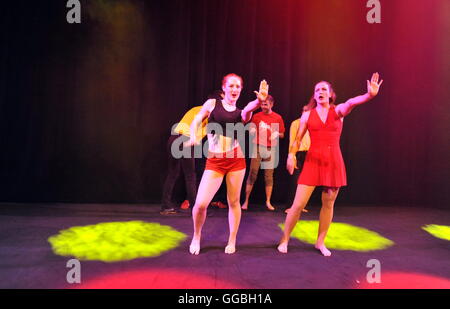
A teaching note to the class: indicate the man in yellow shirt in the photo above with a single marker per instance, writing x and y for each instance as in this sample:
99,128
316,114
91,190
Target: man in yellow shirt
182,131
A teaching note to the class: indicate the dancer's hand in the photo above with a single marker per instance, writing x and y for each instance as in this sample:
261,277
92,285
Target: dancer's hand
374,86
190,143
263,91
291,163
274,135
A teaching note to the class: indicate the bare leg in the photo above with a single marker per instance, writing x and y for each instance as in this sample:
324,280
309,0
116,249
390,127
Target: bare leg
251,178
268,179
303,210
268,197
234,184
248,191
208,187
302,196
329,196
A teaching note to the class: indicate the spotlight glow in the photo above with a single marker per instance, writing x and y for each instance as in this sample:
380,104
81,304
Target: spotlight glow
439,231
116,241
341,236
159,279
399,280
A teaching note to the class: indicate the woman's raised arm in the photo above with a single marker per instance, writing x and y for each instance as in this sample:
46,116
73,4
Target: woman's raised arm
373,86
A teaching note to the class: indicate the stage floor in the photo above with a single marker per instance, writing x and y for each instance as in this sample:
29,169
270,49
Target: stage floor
416,258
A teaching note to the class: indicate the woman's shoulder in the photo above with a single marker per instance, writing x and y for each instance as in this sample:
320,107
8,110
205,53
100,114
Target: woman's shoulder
305,115
209,104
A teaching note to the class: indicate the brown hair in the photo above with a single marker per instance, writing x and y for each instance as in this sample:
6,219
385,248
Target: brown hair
312,102
226,77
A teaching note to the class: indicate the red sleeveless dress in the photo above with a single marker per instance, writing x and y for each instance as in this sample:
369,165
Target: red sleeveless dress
324,165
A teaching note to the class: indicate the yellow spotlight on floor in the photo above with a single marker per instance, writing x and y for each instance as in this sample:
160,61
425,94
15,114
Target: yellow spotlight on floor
116,241
439,231
341,236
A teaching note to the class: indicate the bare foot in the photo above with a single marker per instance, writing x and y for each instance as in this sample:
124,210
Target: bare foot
283,247
245,205
323,250
287,210
269,206
194,248
230,249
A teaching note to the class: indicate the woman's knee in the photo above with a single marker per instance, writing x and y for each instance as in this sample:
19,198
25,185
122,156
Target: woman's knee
233,202
298,205
201,206
296,210
329,197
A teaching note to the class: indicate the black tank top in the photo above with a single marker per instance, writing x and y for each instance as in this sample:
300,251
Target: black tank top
220,116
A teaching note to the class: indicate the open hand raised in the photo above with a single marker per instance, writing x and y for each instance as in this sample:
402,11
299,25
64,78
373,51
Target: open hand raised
263,91
373,86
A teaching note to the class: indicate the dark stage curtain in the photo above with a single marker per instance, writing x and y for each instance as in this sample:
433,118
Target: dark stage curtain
86,109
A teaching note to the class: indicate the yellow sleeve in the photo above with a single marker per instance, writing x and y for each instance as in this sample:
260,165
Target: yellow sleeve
306,140
184,126
293,132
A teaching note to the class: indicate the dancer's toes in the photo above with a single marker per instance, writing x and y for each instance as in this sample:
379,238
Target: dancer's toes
323,250
283,247
269,206
287,210
194,248
230,249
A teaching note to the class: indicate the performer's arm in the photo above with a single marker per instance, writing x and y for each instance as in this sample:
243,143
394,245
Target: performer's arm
198,119
276,135
281,135
295,146
261,96
282,128
372,90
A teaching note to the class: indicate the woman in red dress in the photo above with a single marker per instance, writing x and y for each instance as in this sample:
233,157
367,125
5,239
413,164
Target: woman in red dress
324,165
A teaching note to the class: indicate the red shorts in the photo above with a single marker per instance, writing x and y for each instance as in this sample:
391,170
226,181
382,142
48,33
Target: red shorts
226,162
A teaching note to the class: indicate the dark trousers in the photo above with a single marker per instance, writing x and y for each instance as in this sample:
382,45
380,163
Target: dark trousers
174,168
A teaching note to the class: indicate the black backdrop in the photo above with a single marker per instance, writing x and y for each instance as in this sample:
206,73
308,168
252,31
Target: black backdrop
86,108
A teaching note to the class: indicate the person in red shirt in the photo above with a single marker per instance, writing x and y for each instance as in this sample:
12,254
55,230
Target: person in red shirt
269,127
